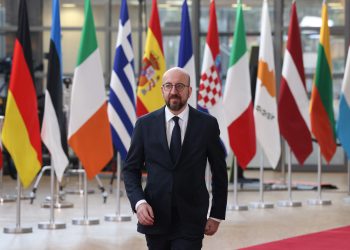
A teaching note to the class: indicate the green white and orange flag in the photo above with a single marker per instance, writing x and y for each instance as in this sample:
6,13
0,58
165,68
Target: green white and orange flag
89,132
21,130
321,104
149,95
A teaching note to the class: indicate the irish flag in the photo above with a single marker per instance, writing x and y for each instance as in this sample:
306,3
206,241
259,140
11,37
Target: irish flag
149,95
21,130
293,103
237,97
321,104
89,132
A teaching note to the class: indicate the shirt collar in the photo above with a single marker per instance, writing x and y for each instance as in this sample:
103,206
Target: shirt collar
183,115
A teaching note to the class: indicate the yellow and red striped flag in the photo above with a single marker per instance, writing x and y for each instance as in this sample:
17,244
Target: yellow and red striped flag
149,95
21,131
321,104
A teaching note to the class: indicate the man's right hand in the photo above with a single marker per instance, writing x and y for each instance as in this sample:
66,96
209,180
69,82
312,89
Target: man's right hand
145,214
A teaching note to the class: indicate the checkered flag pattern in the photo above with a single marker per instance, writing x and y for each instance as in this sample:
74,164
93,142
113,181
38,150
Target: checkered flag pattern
209,88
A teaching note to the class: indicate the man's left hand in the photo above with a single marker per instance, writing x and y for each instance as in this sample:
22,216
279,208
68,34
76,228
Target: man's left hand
211,227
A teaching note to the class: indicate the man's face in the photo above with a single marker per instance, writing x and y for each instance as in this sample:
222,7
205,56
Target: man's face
176,89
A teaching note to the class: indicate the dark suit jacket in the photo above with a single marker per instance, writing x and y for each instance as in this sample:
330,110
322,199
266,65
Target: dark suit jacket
182,183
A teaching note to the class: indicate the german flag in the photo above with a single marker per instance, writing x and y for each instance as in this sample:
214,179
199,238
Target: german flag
21,131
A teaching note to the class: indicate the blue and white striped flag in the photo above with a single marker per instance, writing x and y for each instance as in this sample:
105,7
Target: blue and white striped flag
121,106
186,57
343,125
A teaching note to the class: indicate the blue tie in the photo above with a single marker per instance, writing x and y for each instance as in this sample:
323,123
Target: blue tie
175,142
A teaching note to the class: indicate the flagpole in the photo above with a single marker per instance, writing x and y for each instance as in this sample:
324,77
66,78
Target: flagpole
85,220
235,206
347,199
118,216
289,202
318,200
261,203
18,229
51,224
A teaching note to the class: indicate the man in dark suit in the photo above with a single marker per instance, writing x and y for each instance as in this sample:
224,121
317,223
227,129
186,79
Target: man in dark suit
174,144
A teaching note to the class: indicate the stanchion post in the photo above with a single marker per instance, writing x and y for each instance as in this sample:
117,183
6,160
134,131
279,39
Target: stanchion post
80,189
289,202
235,206
347,199
51,224
85,220
118,216
18,229
319,200
261,203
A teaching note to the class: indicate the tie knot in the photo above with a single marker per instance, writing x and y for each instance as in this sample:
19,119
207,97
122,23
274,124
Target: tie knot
176,119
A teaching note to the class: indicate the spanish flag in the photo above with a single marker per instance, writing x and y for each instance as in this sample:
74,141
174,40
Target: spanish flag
21,131
321,104
149,95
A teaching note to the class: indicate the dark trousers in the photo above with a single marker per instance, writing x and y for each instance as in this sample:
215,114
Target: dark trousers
175,239
166,242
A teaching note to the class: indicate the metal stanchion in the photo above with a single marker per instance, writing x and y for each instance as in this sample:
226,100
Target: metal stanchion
235,206
18,229
347,199
79,190
261,203
289,202
51,224
117,216
6,197
36,183
319,200
85,220
58,201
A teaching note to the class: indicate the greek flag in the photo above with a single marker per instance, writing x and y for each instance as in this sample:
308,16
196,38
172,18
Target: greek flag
121,106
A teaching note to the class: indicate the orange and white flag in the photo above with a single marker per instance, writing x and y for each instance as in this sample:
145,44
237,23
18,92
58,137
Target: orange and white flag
265,106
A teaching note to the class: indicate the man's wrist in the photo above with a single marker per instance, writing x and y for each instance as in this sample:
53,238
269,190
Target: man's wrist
214,219
139,203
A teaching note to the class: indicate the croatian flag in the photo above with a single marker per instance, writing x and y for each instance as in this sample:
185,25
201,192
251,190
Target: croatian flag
121,106
186,57
210,88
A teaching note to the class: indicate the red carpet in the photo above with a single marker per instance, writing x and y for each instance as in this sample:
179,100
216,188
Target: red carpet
335,239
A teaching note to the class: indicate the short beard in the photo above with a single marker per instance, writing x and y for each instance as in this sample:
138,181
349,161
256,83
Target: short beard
175,107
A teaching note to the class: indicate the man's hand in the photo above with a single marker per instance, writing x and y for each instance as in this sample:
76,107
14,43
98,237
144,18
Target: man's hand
145,214
211,227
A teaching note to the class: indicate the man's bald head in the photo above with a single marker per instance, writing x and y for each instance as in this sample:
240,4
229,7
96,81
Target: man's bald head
180,71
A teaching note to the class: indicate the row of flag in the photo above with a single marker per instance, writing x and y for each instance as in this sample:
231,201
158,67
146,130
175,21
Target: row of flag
94,123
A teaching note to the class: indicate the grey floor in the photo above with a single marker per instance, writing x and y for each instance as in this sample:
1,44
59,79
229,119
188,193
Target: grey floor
240,229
